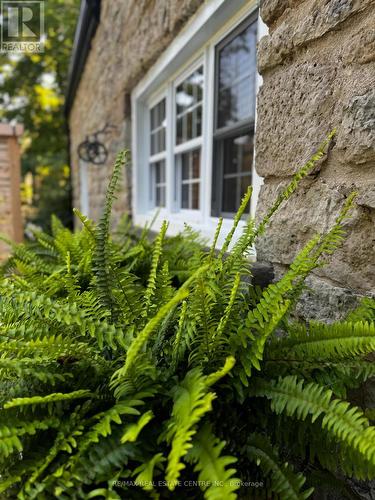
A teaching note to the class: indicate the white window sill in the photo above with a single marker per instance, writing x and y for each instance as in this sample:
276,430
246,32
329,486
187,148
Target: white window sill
178,220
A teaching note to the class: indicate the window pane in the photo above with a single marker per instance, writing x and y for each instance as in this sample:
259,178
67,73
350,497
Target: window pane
229,195
232,172
195,164
185,166
158,183
160,196
236,73
195,196
189,96
190,174
157,124
185,196
238,154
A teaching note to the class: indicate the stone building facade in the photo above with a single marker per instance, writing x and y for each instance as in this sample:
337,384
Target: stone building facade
10,174
315,72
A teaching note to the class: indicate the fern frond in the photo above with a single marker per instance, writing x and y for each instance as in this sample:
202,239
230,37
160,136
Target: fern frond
325,342
102,266
216,236
364,312
179,345
141,339
151,286
296,179
145,472
50,398
132,430
213,467
244,202
191,402
284,481
346,423
10,436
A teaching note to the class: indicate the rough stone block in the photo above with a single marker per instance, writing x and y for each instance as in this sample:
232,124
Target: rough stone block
311,210
357,137
310,21
296,109
270,10
361,48
326,302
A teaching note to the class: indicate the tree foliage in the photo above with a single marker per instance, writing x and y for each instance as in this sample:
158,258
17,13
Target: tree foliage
32,90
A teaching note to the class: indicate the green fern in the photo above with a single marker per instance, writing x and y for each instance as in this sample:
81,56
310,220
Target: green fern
129,363
213,467
191,402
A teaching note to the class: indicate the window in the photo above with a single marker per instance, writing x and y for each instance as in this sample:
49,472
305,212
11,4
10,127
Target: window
197,107
157,154
235,72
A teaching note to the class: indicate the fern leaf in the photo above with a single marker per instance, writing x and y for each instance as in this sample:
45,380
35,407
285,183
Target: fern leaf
102,266
51,398
145,472
132,430
141,339
191,402
151,286
213,466
317,341
346,423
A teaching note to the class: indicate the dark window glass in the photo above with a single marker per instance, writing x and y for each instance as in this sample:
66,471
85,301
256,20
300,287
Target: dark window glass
235,114
237,153
236,78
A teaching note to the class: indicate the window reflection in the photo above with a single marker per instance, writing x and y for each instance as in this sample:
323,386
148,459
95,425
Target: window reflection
238,159
189,96
236,73
158,126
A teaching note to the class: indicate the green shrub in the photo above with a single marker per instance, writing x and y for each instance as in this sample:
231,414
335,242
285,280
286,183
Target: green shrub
132,365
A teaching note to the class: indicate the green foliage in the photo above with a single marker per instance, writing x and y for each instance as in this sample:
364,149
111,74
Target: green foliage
32,90
141,367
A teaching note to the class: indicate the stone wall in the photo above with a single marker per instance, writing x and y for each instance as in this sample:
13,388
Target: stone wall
10,204
318,69
130,37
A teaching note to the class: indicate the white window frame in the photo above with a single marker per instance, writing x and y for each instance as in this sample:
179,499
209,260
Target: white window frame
194,45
